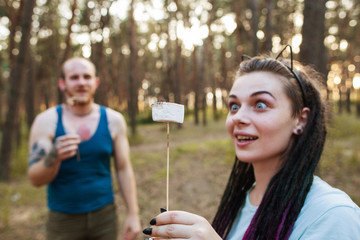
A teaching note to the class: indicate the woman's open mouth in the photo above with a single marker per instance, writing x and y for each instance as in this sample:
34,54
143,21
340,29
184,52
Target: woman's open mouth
245,138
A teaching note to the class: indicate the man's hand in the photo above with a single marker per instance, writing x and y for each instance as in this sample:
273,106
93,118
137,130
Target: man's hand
66,146
132,227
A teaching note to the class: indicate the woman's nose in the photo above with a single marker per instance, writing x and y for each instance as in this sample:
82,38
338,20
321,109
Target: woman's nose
241,116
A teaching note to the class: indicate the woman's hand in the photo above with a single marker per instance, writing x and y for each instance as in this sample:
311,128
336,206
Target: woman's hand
181,225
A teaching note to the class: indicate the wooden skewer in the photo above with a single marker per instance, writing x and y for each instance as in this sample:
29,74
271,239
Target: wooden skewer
78,154
168,164
167,112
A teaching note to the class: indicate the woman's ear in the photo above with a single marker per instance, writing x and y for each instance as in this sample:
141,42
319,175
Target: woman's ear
302,121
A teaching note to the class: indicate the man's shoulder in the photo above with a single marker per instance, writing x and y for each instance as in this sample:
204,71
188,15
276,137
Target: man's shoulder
44,125
116,121
45,122
113,115
49,114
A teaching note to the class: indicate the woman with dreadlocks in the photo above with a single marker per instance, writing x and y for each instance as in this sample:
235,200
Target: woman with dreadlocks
277,122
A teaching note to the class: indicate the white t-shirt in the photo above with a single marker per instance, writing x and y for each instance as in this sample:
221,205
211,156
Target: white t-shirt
328,213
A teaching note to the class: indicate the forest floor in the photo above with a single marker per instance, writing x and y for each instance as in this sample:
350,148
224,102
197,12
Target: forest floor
200,162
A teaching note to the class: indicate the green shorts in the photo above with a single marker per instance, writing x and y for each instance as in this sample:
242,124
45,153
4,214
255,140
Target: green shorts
100,224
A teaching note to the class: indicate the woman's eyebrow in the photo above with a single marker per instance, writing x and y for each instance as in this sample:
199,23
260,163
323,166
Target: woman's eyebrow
263,92
255,94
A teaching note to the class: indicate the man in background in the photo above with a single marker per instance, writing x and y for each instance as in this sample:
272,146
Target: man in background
70,150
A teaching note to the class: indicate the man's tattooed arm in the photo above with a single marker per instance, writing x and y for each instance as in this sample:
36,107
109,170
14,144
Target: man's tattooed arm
51,158
38,152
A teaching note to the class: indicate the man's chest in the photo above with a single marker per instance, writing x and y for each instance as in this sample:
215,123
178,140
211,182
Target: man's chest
85,127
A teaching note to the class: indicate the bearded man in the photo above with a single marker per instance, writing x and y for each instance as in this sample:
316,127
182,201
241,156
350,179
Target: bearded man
71,147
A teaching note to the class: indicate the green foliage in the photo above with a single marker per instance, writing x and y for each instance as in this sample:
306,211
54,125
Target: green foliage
188,148
140,159
4,204
19,161
340,163
135,139
145,117
344,126
222,151
20,195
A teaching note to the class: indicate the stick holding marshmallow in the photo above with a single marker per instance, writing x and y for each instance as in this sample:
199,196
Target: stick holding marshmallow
167,112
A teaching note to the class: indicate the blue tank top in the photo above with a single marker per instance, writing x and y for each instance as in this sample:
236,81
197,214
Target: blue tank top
85,185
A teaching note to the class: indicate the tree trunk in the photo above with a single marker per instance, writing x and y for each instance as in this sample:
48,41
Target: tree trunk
211,70
117,73
30,93
312,49
195,86
16,82
269,25
240,33
176,78
132,102
98,58
202,70
15,19
1,96
103,70
348,101
68,46
255,26
340,102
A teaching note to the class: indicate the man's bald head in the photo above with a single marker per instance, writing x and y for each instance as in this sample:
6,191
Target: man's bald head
68,63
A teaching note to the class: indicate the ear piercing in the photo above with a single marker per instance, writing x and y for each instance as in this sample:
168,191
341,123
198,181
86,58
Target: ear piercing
299,130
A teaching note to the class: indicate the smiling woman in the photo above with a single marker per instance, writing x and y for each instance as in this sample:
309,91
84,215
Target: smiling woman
259,113
276,121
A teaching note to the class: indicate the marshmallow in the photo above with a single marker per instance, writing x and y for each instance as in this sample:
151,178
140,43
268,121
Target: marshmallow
167,112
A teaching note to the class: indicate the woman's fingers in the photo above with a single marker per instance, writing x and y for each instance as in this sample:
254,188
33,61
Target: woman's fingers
176,217
177,225
170,231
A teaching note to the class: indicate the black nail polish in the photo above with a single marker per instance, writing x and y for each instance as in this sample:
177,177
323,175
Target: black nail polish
147,231
163,210
153,221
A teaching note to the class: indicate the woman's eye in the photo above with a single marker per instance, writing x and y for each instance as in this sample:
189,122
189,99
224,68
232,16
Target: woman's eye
261,105
234,107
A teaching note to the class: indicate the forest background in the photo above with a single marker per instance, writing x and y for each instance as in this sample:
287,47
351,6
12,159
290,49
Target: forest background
178,51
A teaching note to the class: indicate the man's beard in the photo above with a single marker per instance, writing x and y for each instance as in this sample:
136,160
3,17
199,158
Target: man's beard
76,101
73,100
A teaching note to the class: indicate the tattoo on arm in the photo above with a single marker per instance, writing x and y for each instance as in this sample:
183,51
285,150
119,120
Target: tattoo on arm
51,158
38,152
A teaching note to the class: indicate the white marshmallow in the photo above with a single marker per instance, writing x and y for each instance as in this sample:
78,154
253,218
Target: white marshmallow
167,112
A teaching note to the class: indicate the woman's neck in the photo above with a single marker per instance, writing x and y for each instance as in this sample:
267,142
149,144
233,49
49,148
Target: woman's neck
263,174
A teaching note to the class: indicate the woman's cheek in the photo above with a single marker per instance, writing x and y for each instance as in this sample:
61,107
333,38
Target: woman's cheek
229,126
